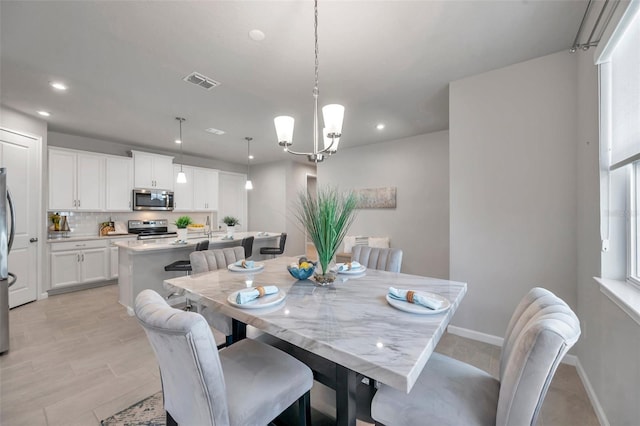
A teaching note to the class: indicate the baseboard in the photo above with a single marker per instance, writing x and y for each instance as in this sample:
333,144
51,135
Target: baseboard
591,393
475,335
495,340
70,289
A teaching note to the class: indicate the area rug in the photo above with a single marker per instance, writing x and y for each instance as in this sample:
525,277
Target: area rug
148,412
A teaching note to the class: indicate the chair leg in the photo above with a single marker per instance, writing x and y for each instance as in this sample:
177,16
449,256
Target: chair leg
170,420
304,409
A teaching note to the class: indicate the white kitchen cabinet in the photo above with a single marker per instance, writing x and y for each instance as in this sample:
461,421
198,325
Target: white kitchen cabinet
152,171
183,192
233,198
119,183
80,262
76,180
205,189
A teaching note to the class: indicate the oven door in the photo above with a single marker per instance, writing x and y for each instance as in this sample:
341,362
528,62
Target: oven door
150,199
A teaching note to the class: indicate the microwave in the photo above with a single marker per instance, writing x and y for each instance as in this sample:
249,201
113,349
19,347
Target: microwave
152,199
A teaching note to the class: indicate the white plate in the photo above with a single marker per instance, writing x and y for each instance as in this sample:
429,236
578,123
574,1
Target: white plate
235,268
260,302
353,271
419,309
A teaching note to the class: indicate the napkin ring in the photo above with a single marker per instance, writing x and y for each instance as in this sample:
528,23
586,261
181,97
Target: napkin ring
260,291
410,294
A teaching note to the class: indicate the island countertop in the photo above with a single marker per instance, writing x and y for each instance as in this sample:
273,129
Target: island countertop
215,241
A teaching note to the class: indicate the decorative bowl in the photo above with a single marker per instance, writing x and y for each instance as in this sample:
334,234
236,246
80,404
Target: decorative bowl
301,273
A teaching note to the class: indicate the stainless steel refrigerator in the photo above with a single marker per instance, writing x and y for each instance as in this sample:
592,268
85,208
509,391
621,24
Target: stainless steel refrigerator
7,279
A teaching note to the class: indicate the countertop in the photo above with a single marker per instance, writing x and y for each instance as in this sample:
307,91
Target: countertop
89,238
143,246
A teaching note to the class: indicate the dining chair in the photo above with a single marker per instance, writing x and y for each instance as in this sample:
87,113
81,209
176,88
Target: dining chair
275,250
185,265
211,260
384,259
247,245
249,383
450,392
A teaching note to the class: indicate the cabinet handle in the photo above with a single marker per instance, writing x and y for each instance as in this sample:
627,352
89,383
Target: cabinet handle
78,203
33,240
80,245
78,256
83,257
74,203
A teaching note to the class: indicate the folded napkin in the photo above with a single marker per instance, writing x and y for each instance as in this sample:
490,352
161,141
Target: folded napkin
249,295
247,264
415,298
349,266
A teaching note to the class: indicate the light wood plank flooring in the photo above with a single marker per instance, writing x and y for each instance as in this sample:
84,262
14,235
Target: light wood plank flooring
78,358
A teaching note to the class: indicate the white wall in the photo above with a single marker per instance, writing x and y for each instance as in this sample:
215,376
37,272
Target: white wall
419,167
513,135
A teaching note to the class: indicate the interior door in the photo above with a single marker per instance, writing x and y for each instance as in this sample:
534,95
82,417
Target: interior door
21,156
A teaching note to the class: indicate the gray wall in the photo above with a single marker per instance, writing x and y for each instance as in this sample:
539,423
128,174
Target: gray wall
419,167
271,202
513,187
65,140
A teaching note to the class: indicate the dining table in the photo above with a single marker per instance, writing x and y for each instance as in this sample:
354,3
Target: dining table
345,331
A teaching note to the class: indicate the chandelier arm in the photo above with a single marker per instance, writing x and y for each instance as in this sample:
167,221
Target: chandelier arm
324,151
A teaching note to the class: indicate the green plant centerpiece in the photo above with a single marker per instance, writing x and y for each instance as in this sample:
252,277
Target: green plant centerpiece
230,221
326,216
182,222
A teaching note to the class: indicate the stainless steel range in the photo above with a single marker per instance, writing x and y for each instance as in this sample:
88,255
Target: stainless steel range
150,229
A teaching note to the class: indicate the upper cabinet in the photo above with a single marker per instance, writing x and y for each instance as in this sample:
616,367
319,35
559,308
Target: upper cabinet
152,171
76,180
119,183
183,192
205,189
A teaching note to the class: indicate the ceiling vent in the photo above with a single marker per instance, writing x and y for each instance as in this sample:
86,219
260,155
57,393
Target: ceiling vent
214,131
202,81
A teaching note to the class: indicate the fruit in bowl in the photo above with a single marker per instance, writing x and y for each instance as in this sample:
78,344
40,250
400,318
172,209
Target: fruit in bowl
302,270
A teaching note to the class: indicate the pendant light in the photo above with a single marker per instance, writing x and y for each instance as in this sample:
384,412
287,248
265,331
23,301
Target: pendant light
181,178
249,184
332,114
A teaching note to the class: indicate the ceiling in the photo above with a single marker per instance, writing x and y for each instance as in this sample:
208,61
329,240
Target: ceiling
385,61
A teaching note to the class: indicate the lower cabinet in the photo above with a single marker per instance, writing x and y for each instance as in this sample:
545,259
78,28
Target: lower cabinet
79,262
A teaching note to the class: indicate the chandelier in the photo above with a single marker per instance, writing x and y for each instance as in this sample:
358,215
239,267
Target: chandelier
333,115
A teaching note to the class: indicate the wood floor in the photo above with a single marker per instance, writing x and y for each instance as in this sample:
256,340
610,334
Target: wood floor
77,358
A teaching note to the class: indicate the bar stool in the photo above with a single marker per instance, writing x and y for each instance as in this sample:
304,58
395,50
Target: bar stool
275,250
247,245
185,265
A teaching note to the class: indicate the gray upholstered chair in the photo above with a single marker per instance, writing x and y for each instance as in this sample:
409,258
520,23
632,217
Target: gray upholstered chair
449,392
211,260
385,259
249,383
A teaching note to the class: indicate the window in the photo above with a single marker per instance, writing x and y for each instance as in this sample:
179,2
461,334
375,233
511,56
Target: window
620,130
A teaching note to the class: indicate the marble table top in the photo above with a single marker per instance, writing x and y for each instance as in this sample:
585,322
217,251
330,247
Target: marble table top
349,323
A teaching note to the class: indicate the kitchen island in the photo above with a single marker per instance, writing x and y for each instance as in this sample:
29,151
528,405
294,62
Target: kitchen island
141,262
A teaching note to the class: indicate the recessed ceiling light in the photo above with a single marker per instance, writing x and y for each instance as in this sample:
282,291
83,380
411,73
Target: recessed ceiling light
178,141
44,113
58,86
251,157
256,35
380,126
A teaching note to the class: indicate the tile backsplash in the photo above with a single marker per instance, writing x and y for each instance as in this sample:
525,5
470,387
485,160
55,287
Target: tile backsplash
87,223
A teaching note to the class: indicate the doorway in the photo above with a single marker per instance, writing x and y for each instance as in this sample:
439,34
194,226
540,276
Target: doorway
21,155
312,187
